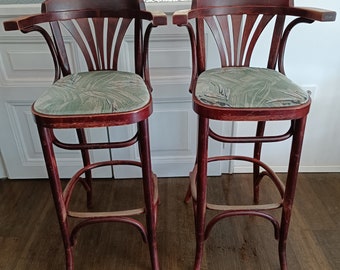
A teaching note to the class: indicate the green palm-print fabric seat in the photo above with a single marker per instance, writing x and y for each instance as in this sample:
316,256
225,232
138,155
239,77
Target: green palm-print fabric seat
245,87
94,92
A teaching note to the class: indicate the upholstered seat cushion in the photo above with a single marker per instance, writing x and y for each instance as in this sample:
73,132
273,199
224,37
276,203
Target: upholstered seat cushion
94,92
245,87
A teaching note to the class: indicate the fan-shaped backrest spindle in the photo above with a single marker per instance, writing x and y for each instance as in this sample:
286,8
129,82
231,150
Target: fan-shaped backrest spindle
237,35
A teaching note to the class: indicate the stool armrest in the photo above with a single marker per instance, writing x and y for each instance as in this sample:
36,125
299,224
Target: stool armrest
159,18
181,17
315,14
21,23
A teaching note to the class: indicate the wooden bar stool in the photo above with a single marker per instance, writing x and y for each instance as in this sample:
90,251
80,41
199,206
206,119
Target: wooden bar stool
100,96
238,91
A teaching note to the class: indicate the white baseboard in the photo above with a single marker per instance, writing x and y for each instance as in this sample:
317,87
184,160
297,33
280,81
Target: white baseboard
303,169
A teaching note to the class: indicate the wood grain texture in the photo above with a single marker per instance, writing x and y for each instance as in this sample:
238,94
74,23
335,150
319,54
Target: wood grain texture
30,237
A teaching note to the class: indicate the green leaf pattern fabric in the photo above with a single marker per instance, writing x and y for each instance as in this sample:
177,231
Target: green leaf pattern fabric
94,92
247,87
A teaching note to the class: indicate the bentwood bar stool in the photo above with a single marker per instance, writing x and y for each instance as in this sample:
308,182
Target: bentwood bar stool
238,91
101,96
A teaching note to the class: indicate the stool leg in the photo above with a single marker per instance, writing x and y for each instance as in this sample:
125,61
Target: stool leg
46,138
188,195
257,155
292,176
86,161
148,186
192,174
202,164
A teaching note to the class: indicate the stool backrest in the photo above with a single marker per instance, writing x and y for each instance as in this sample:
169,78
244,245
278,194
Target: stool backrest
237,26
98,27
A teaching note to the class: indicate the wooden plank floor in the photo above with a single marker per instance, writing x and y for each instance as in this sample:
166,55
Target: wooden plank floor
30,239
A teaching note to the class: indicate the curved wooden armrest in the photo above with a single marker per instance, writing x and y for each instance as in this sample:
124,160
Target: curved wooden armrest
159,18
22,23
182,17
315,14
